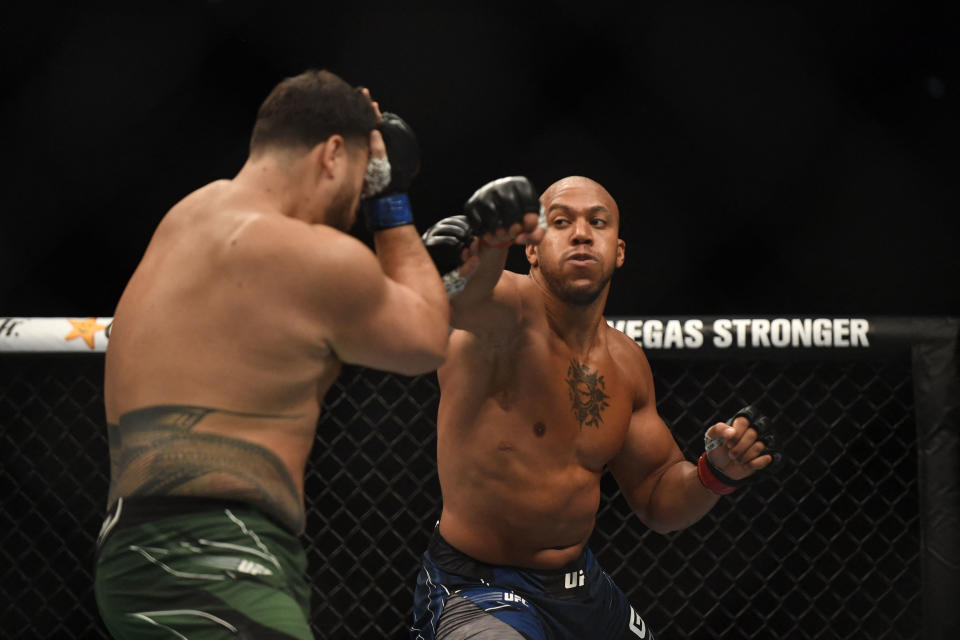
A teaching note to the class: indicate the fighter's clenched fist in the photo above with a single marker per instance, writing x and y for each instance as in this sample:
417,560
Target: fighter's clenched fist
497,215
450,243
505,211
735,450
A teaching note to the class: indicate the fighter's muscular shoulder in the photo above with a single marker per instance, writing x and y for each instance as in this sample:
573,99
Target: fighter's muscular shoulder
633,365
292,257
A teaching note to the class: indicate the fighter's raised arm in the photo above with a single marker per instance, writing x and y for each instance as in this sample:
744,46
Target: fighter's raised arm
395,314
386,310
470,250
362,315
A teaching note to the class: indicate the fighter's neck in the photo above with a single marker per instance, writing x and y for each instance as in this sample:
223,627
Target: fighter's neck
579,326
276,185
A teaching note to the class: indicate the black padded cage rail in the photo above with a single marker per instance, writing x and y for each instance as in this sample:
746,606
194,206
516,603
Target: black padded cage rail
856,536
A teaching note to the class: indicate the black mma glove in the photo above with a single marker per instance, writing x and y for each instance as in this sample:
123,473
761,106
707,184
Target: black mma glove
445,242
388,206
715,480
500,204
496,205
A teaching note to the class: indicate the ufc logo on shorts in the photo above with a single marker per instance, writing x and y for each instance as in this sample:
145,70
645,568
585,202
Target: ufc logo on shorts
509,596
573,579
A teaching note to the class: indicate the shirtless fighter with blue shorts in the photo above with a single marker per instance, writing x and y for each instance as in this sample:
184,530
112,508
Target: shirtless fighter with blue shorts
538,396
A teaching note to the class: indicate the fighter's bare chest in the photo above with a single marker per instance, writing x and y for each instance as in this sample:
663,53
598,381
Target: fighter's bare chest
578,405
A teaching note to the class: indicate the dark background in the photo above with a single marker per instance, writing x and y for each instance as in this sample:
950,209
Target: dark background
768,157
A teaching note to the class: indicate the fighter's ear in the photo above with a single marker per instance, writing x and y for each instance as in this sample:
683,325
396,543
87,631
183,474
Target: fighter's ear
533,257
330,154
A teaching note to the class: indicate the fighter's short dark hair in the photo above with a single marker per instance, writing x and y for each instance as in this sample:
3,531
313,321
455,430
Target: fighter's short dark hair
308,108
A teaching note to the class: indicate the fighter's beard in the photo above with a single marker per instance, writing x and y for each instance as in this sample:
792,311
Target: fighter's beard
340,214
574,295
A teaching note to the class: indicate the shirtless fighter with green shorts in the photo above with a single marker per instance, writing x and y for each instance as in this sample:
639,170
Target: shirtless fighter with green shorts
249,297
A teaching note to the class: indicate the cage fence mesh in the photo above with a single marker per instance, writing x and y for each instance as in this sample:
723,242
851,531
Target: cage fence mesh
826,547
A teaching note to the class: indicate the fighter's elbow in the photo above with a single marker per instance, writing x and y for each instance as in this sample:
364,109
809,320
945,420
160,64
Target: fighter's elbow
657,525
661,518
429,356
663,529
420,367
426,363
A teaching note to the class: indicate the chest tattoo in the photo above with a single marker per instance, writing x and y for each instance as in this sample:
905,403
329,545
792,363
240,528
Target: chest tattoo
587,394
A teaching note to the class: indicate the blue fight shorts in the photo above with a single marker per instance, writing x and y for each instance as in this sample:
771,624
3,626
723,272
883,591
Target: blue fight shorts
458,597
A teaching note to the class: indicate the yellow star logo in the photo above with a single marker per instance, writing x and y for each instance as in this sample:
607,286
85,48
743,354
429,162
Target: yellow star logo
84,329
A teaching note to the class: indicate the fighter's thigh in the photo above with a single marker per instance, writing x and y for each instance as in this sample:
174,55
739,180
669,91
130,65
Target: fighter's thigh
147,592
200,614
486,615
180,623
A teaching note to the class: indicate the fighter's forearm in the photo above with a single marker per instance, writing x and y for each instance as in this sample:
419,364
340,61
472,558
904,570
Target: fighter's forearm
404,260
481,281
678,499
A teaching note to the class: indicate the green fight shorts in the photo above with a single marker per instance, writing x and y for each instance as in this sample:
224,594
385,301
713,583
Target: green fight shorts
178,567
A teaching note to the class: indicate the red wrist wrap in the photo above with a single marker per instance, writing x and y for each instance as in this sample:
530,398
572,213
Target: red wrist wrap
710,481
